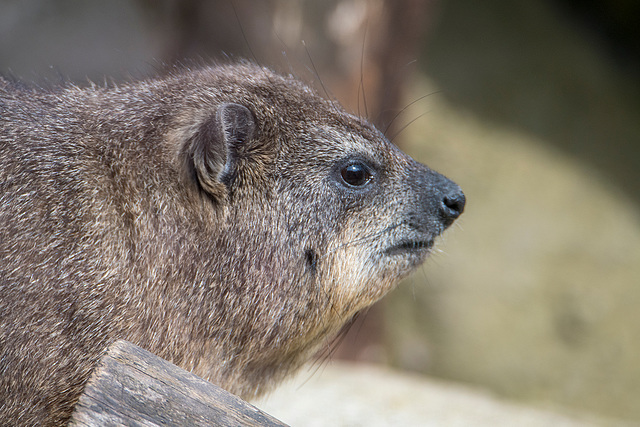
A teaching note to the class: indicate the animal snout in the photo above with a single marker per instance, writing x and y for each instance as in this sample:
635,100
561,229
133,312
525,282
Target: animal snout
441,200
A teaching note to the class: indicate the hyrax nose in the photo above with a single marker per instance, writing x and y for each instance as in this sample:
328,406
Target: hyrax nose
452,203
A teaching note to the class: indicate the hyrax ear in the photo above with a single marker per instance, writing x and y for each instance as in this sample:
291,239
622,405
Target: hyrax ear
214,148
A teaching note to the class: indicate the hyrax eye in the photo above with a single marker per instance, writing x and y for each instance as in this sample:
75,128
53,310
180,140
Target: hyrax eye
356,174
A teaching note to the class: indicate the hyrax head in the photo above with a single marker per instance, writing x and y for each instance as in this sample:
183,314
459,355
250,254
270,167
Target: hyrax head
227,219
321,212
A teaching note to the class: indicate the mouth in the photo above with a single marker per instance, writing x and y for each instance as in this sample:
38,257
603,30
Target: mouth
409,247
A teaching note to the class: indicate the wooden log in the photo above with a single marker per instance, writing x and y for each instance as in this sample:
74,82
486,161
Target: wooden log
133,387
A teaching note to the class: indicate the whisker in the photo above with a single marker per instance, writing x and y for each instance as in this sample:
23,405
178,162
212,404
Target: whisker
284,52
324,357
361,85
315,71
366,238
407,125
406,107
244,36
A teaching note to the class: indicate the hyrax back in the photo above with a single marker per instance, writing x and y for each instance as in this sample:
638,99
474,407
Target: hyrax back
227,219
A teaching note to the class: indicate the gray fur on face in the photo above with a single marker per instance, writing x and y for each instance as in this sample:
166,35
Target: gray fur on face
227,219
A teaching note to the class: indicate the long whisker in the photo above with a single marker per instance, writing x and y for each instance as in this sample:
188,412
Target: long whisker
244,35
324,357
367,238
324,88
405,109
406,126
361,85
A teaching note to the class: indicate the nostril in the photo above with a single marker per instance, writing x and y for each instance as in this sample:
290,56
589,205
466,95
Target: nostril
453,204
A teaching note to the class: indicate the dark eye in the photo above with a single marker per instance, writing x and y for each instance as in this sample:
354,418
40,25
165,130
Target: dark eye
355,174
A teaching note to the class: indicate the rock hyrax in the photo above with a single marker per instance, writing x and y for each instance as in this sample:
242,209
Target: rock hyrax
227,219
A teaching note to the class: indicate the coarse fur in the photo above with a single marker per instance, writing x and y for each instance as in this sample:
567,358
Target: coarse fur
208,216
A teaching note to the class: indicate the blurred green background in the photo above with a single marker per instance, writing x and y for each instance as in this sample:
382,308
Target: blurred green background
532,107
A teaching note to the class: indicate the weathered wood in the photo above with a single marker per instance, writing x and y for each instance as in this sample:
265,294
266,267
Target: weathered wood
133,387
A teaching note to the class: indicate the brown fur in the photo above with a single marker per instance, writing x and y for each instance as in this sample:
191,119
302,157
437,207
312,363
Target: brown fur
219,237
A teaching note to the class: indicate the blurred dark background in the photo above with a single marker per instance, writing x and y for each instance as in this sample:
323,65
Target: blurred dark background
533,107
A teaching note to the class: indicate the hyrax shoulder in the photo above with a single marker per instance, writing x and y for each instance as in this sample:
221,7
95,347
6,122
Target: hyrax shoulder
227,219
